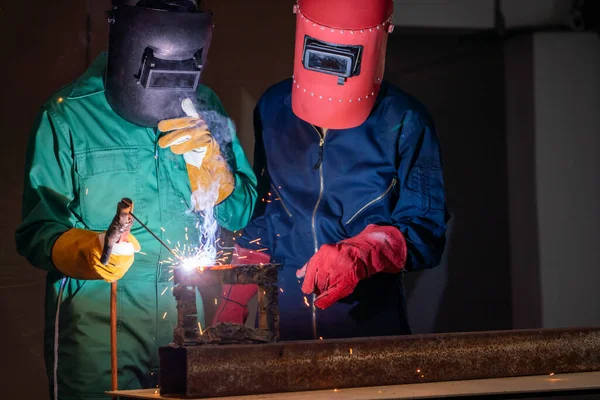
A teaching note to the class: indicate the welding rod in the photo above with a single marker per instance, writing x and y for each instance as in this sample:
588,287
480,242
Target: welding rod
156,237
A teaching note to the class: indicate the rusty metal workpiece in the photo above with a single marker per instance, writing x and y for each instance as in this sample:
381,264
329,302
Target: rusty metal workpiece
189,332
213,371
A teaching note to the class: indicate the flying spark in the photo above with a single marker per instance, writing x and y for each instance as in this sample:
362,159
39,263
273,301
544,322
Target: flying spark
163,292
254,241
165,315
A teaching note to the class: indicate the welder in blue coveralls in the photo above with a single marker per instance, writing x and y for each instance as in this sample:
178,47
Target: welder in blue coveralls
350,173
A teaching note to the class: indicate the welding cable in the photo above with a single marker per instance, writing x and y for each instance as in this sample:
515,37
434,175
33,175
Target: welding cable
233,301
226,300
56,321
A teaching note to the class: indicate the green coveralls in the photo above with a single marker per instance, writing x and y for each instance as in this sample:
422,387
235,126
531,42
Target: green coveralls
83,158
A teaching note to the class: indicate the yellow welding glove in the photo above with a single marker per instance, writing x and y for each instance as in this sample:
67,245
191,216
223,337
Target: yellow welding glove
210,176
76,253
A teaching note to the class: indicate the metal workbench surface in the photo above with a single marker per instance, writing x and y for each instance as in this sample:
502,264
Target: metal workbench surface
577,382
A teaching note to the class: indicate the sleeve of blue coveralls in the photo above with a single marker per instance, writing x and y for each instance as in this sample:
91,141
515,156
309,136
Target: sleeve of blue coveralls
421,213
258,227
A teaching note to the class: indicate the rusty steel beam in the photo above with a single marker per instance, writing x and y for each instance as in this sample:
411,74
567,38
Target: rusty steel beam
212,370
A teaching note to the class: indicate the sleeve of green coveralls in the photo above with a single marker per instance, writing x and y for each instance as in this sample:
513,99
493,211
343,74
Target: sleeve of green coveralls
47,191
235,211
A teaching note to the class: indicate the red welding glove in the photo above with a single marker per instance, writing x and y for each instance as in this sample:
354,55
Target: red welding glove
235,298
335,270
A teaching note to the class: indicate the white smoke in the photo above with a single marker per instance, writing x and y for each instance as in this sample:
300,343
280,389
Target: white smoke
206,252
203,202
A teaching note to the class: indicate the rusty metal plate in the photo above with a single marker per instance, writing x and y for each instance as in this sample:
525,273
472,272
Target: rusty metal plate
213,371
229,275
188,331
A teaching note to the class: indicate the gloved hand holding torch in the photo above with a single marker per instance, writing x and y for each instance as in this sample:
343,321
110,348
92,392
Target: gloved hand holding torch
335,270
83,254
191,137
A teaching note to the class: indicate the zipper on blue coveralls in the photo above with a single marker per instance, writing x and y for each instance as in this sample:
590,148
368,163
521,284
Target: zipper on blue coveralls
320,160
375,200
319,166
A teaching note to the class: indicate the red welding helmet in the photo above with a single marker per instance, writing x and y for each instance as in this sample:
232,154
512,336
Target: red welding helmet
339,59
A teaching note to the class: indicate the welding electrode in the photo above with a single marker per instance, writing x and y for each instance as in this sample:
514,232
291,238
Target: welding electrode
156,237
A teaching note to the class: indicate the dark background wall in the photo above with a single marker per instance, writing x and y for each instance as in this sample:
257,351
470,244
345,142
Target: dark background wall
43,49
459,79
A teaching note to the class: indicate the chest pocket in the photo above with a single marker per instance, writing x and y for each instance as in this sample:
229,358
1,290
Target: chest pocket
379,205
104,178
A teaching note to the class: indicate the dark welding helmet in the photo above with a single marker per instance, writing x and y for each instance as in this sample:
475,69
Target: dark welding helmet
157,50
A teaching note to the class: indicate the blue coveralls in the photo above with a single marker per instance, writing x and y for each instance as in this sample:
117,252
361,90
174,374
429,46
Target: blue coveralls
319,190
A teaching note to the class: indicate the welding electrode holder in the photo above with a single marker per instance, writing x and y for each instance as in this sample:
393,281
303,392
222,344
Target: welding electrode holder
118,229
